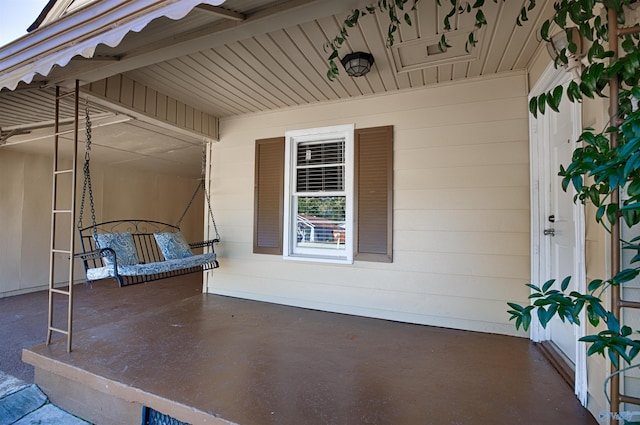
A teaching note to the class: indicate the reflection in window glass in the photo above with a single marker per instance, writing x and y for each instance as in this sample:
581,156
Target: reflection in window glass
320,222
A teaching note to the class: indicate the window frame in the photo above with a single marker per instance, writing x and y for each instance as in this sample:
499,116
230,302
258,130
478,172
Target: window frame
292,139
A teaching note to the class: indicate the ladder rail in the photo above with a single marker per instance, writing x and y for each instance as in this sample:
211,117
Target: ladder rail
56,213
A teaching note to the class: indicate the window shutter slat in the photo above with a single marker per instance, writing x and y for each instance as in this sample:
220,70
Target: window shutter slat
374,194
268,196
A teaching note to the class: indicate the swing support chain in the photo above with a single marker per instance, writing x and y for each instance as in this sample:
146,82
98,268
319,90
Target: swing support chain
202,185
86,187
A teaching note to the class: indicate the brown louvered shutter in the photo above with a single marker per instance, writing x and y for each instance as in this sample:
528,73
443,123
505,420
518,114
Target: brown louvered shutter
374,194
268,196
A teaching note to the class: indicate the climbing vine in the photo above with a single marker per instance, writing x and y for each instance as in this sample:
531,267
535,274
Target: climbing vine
399,13
599,170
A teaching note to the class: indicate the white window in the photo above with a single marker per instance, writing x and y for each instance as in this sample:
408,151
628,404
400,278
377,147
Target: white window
318,219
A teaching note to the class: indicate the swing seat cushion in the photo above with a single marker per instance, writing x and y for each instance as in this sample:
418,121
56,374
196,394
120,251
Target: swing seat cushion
151,268
172,245
122,244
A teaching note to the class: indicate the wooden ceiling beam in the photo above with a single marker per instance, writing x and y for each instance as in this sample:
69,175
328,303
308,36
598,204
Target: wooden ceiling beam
218,33
221,12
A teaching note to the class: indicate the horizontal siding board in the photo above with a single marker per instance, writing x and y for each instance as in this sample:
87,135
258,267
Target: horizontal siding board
462,134
378,277
512,152
440,309
463,242
474,112
460,209
497,175
504,266
492,198
471,220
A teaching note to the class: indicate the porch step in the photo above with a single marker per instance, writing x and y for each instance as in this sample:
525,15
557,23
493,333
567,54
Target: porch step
23,404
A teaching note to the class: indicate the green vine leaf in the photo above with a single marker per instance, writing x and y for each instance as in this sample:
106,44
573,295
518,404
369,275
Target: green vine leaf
542,103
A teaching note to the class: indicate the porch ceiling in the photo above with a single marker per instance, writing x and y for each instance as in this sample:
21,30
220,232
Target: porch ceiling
258,55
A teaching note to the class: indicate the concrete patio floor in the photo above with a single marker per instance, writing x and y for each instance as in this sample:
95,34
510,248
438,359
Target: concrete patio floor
212,359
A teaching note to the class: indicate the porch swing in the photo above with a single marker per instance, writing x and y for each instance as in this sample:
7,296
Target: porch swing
138,251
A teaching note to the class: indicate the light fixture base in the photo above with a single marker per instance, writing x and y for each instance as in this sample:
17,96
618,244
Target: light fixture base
357,64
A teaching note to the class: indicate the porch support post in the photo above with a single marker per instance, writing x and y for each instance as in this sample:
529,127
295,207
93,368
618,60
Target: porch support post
615,199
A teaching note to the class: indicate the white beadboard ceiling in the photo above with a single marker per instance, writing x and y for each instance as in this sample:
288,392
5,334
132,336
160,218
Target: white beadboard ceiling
249,56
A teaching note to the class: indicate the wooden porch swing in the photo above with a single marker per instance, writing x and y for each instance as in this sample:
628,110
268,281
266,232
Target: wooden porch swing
137,251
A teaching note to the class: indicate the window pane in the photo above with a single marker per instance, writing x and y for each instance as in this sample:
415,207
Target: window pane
320,222
320,166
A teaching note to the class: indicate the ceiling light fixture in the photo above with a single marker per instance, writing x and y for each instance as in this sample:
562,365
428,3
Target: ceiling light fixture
357,64
559,45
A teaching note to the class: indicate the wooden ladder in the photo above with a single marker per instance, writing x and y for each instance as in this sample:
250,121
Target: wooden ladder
62,249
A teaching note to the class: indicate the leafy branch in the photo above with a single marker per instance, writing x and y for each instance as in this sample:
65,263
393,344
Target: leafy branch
597,170
399,14
547,302
395,9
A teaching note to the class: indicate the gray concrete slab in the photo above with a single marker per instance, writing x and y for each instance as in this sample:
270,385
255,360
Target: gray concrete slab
50,414
24,404
10,384
21,403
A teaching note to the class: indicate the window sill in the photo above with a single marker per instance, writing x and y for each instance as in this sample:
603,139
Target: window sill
318,259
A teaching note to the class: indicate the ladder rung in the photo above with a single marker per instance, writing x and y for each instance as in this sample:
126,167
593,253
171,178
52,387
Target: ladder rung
61,251
63,95
63,171
629,399
62,211
629,304
51,328
60,291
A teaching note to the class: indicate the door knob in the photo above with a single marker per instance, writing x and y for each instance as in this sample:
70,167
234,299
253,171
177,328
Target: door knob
551,232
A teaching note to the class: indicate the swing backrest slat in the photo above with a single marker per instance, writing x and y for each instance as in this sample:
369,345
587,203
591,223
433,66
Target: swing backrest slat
142,232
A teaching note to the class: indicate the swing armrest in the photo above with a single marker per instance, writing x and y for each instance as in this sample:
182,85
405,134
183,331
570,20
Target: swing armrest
210,242
98,253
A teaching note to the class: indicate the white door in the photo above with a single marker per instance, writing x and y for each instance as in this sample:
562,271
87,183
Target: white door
560,223
557,224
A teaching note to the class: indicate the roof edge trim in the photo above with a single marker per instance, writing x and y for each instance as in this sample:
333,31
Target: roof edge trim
80,32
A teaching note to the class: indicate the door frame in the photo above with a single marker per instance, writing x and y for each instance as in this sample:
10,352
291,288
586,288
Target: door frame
540,173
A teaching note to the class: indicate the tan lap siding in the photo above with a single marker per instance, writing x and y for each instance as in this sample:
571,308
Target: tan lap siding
460,208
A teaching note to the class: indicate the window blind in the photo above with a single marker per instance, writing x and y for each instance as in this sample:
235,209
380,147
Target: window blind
320,166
